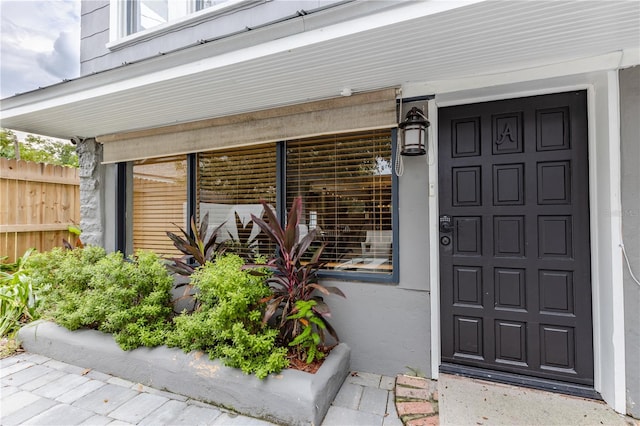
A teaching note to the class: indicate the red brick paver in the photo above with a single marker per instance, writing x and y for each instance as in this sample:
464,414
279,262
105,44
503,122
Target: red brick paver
417,401
414,382
425,421
412,393
408,408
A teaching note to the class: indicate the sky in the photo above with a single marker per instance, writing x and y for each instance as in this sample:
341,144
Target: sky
39,44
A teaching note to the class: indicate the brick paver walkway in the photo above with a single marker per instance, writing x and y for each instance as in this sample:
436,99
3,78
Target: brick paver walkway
417,401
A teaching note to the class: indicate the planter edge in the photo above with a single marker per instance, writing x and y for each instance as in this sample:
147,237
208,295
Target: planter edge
291,397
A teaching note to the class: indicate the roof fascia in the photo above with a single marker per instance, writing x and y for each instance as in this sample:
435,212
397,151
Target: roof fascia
193,61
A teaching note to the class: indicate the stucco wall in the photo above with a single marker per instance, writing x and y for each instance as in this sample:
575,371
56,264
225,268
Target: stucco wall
388,327
630,159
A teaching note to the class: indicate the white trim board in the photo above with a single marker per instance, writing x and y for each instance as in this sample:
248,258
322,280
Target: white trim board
604,194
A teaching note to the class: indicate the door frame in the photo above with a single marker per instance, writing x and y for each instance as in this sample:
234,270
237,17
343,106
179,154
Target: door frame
599,76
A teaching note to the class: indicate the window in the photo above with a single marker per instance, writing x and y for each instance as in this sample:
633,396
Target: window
145,14
231,184
345,182
159,202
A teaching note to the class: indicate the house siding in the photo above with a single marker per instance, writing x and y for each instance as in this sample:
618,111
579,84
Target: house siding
94,33
96,56
630,159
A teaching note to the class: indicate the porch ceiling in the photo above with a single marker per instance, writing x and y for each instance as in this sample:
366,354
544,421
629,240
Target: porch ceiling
417,42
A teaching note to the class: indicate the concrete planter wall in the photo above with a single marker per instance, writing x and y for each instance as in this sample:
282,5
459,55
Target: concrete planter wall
291,397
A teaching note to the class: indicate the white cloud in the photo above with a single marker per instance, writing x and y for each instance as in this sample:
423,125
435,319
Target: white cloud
39,43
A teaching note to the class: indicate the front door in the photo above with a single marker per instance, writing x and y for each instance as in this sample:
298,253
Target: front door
514,237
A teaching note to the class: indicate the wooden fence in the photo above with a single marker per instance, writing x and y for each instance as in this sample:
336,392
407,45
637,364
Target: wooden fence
38,202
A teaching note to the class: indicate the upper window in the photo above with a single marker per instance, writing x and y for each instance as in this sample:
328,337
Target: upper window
145,14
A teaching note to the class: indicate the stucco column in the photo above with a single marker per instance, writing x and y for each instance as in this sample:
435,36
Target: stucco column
630,154
91,192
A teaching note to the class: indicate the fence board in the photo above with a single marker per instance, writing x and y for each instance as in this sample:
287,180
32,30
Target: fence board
38,202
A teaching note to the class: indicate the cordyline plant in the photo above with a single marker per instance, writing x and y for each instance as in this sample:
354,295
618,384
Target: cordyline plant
293,280
197,250
244,246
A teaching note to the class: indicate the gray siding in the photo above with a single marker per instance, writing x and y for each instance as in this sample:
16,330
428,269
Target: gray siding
630,153
94,33
95,56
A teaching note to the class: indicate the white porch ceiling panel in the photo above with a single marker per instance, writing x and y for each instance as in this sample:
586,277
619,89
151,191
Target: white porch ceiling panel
473,39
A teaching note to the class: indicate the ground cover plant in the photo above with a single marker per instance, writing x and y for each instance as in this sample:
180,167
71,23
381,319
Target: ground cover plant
130,298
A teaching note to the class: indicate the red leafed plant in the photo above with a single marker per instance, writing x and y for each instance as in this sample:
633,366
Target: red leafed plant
198,249
293,280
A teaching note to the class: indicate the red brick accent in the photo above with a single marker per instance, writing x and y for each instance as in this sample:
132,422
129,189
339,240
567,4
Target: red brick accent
435,396
408,408
425,421
412,393
416,382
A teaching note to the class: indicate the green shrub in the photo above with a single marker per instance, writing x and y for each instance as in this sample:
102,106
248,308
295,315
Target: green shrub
228,323
60,270
129,298
17,298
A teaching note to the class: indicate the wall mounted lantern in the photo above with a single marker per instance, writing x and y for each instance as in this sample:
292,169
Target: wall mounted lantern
414,133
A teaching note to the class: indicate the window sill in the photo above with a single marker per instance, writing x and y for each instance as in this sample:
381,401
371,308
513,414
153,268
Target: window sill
360,276
186,21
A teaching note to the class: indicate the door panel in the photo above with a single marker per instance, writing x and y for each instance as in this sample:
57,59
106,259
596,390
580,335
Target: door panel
515,264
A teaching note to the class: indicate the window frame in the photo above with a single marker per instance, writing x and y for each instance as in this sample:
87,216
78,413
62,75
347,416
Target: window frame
362,275
121,23
281,182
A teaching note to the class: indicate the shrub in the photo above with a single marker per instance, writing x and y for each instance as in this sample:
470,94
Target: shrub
17,298
88,288
61,271
228,323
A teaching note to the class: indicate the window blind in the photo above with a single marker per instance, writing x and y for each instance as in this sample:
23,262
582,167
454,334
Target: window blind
159,203
231,184
346,185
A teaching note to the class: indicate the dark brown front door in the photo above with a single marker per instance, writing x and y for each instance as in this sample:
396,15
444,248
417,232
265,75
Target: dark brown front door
514,237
